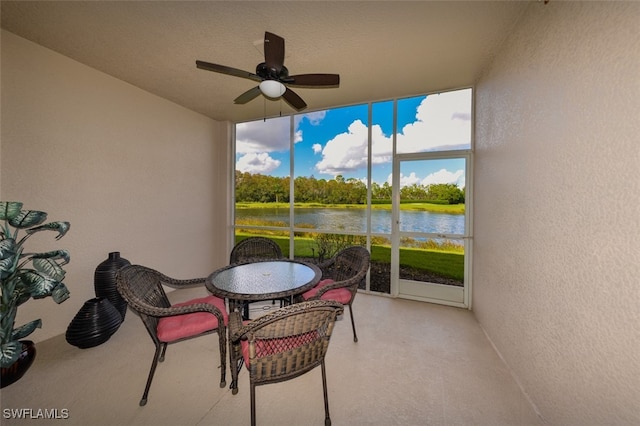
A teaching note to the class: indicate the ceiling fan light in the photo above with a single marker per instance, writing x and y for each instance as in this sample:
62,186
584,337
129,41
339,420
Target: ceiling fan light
272,88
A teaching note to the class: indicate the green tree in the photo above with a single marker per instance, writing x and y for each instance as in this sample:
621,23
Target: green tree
448,192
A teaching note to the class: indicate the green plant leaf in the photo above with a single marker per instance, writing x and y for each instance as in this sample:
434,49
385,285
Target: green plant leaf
8,258
7,248
7,319
53,255
61,227
21,293
60,293
27,219
39,285
6,267
49,267
26,329
9,209
9,353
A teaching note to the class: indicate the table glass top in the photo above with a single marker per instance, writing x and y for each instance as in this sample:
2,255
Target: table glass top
264,277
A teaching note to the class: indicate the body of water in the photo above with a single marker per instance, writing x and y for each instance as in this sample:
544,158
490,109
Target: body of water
355,220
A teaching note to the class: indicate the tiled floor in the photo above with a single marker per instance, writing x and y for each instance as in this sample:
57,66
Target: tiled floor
414,364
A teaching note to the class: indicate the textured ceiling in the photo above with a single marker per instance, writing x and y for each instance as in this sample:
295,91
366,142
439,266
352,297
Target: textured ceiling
381,49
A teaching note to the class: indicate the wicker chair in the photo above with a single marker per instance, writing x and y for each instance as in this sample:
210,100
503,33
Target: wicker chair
282,345
254,249
342,275
142,288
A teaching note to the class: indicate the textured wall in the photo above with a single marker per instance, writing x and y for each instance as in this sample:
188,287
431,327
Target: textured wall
557,209
132,172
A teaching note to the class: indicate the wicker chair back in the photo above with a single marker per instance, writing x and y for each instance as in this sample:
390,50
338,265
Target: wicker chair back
283,345
254,249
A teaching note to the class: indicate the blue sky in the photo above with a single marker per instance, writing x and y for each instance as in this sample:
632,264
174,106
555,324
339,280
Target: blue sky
334,142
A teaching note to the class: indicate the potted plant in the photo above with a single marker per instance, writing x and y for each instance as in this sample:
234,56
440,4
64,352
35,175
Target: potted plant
25,275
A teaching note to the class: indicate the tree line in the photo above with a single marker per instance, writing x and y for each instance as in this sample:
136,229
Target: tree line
258,188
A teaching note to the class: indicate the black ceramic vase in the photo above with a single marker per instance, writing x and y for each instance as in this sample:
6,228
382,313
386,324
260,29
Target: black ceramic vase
13,373
94,323
105,281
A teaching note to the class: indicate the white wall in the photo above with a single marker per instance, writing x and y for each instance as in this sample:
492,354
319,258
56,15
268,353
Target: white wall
132,173
557,209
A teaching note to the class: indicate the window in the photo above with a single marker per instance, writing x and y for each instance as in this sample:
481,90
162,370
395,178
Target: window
326,177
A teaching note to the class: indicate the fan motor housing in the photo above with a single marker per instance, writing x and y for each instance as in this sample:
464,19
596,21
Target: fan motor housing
272,74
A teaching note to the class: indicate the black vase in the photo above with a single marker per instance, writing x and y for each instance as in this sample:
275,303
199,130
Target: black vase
14,372
104,281
94,323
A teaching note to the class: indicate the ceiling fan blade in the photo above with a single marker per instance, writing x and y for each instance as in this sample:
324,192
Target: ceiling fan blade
247,96
314,80
227,70
273,51
294,100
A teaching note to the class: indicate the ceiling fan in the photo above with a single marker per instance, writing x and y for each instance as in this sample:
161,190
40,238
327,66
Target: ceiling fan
273,76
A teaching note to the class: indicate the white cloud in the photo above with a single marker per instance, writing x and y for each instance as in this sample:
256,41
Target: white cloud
381,146
263,136
443,121
315,118
317,148
406,180
441,176
256,139
346,151
257,162
445,176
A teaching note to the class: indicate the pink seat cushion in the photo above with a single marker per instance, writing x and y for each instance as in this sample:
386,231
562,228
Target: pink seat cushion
187,325
274,346
341,295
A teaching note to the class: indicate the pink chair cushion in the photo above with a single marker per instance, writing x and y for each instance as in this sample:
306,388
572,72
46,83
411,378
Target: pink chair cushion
187,325
341,295
264,348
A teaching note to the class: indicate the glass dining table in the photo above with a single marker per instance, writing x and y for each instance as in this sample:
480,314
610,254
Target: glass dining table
263,280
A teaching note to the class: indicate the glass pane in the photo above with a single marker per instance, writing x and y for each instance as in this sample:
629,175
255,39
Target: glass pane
381,173
305,248
432,196
262,172
439,122
439,261
380,272
320,246
381,167
330,169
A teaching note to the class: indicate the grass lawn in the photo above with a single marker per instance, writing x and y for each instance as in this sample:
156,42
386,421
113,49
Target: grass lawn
450,265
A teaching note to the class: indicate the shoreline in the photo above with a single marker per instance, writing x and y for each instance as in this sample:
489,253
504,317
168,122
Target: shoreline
418,206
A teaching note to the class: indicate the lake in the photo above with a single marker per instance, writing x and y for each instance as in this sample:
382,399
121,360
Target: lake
355,220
